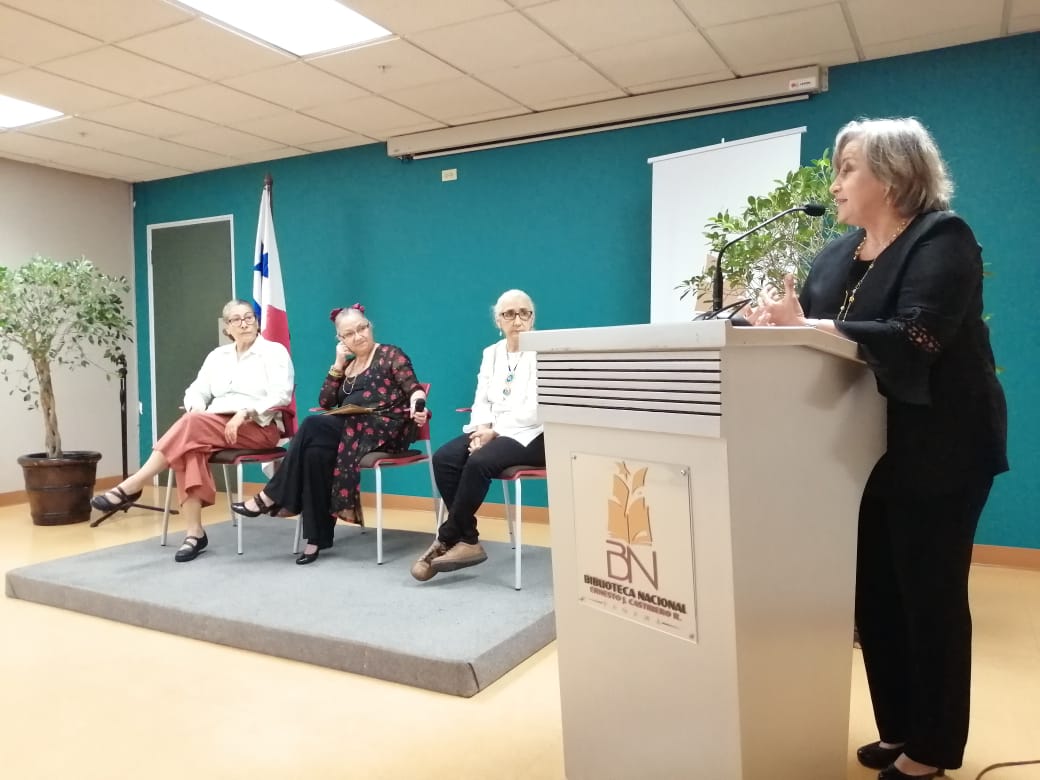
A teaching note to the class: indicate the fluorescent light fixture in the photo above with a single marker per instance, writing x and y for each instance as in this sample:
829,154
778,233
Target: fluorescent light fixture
302,27
15,113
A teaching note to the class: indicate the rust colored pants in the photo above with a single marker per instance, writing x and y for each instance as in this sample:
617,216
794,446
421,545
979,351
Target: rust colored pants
197,435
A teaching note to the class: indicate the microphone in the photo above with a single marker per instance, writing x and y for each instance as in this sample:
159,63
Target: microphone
420,405
811,209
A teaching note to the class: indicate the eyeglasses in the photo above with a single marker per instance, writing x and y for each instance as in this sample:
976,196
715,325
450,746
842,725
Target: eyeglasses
512,314
249,319
349,334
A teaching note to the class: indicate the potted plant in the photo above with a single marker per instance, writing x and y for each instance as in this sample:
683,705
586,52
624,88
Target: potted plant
788,245
67,314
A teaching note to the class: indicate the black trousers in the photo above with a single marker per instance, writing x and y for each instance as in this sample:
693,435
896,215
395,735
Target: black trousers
913,615
463,479
303,482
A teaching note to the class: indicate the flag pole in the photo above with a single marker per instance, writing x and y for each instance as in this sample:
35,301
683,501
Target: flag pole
269,185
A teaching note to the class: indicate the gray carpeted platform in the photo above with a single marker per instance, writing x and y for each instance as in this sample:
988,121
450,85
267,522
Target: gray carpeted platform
455,634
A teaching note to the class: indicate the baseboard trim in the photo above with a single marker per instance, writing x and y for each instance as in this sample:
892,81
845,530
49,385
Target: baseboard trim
20,497
982,555
1006,557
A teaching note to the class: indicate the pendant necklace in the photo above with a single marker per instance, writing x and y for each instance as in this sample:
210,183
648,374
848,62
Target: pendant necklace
850,294
512,371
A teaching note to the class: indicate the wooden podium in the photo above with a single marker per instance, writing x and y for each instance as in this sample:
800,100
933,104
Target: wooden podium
704,483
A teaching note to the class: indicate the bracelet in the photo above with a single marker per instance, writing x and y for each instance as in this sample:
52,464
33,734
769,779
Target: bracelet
336,373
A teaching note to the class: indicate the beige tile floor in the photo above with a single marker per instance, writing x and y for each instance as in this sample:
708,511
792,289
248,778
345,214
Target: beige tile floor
84,698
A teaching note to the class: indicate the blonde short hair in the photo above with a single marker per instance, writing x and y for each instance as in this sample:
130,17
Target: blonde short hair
903,156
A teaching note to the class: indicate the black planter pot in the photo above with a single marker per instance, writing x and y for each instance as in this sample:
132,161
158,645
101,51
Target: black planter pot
59,489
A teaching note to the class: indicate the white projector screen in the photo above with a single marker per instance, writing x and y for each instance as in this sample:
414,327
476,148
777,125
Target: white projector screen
691,187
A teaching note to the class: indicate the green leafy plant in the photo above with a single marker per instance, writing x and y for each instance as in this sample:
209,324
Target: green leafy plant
52,310
788,245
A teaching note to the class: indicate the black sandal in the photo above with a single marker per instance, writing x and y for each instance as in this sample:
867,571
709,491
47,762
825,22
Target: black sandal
240,508
191,548
126,500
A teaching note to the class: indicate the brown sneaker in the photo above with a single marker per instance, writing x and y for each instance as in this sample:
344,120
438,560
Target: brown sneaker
421,569
459,556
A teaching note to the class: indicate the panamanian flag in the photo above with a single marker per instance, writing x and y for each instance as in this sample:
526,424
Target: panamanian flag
268,293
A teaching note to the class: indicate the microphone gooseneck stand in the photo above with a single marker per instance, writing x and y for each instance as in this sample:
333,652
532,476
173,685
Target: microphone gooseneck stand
718,281
121,362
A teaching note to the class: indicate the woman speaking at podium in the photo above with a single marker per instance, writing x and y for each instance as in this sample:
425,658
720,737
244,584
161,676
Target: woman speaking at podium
906,286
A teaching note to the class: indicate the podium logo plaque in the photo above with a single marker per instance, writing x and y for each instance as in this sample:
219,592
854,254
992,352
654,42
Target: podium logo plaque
634,541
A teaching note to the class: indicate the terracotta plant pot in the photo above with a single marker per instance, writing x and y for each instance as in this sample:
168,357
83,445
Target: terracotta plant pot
59,489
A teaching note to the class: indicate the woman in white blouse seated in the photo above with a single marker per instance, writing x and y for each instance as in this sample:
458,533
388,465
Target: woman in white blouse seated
503,431
228,405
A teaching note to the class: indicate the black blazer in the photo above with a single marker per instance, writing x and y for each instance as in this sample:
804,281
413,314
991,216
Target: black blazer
918,320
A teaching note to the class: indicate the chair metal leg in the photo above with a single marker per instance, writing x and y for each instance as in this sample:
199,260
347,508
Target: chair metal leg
241,520
166,508
509,511
517,544
297,534
379,515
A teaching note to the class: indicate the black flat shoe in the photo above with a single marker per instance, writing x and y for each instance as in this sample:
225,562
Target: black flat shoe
891,773
873,756
306,558
101,502
191,548
240,508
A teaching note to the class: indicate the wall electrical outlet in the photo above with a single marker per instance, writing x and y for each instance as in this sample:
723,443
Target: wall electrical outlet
449,174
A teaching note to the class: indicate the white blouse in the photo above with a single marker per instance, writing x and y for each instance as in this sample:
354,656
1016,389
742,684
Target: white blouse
262,377
509,407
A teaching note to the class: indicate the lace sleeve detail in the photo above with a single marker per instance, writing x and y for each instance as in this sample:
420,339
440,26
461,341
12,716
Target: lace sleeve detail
918,335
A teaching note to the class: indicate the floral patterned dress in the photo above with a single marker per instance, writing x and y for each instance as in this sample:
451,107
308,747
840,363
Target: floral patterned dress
386,386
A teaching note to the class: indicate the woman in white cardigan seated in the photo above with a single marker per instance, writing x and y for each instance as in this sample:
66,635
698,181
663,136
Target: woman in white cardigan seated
503,431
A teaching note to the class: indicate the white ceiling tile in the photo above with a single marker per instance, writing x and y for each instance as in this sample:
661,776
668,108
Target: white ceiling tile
403,17
343,142
1023,9
279,153
85,133
585,25
709,13
147,119
6,66
387,66
21,143
107,20
121,71
934,40
176,155
550,84
799,37
880,21
206,50
675,56
56,92
292,129
489,115
527,3
297,85
375,117
224,140
217,104
490,43
29,40
146,171
686,81
447,101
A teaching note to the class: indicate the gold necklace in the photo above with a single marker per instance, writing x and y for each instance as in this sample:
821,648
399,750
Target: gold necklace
850,294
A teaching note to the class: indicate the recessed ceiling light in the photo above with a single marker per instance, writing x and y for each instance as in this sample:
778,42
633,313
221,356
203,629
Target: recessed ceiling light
302,27
15,113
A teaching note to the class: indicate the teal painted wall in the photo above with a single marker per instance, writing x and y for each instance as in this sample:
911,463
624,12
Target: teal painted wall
569,221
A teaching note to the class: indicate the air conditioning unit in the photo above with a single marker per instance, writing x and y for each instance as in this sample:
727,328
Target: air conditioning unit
716,97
